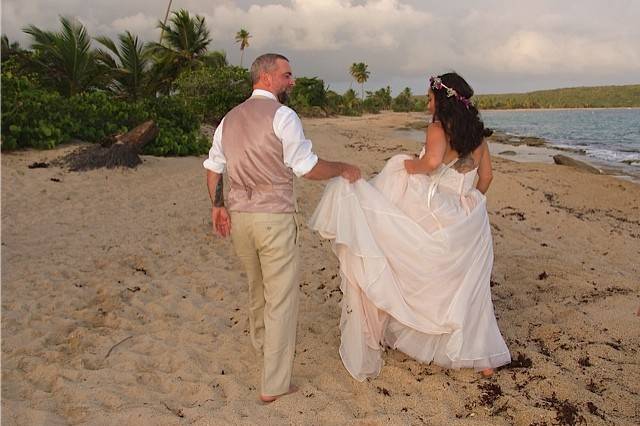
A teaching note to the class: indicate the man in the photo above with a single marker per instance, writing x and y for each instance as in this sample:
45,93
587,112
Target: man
262,145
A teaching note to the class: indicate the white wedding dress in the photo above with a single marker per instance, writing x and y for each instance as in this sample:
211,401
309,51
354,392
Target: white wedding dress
415,256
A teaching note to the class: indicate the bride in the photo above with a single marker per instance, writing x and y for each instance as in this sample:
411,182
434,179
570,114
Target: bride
415,248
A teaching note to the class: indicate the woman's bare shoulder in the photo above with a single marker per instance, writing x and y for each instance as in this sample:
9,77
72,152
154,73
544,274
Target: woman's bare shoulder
435,129
480,151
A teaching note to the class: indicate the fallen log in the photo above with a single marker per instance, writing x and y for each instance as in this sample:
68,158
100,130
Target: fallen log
117,151
137,137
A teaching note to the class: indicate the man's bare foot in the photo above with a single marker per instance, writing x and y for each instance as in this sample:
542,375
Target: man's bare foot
487,372
269,398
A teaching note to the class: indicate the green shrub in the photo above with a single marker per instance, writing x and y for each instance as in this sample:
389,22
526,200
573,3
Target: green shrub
179,128
351,105
404,101
309,97
211,93
99,115
379,100
33,117
420,105
333,102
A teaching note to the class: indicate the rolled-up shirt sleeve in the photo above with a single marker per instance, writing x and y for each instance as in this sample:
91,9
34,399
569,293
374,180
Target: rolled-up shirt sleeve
216,161
297,150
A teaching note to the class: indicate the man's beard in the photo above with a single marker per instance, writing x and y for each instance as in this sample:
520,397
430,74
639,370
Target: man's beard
283,97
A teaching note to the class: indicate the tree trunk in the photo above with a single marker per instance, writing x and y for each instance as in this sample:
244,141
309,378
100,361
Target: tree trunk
139,136
164,23
117,151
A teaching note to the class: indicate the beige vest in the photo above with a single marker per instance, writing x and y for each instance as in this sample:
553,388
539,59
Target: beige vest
259,180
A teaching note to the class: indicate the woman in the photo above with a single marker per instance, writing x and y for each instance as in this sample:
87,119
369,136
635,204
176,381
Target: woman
415,249
456,132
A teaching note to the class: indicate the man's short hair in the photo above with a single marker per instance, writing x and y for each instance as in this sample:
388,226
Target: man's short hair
264,63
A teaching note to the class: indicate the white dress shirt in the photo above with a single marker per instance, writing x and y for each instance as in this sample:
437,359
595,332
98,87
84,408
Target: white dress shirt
296,149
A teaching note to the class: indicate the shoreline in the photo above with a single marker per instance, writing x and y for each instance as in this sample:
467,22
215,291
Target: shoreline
554,109
528,148
543,150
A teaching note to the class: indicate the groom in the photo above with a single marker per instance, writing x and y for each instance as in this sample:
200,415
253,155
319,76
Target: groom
262,145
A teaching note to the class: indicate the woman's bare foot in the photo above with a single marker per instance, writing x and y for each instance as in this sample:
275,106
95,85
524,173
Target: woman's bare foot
269,398
487,372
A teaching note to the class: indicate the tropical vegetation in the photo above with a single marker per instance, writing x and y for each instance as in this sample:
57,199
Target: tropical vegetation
128,63
360,73
62,88
242,37
64,60
575,97
623,96
68,85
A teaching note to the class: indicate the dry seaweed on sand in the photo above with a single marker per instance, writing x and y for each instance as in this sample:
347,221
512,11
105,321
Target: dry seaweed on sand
490,393
96,157
566,412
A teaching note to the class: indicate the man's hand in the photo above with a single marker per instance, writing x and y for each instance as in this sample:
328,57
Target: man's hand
350,173
409,166
221,221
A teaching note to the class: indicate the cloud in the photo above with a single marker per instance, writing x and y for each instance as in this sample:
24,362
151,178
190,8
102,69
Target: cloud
532,52
136,24
322,25
502,46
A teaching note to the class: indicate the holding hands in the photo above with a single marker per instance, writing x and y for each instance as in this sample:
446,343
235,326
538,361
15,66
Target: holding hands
350,172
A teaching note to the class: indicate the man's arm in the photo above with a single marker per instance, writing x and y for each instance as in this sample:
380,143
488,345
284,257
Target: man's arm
215,164
328,169
219,215
217,199
298,153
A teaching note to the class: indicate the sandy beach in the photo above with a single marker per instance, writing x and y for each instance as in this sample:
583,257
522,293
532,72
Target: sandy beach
120,307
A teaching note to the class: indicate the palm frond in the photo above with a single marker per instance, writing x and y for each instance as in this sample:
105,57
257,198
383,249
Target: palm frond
65,58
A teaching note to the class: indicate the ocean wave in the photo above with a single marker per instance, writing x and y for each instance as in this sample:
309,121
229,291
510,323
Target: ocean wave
612,137
630,150
630,158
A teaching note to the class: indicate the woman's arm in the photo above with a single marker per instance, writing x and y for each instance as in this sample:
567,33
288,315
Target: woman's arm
436,146
485,173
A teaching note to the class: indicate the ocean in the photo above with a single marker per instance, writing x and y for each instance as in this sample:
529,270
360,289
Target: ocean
610,136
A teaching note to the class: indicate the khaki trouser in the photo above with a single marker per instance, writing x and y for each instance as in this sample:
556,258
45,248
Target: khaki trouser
266,244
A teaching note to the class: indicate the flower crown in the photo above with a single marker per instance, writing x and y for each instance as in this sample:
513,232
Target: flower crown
437,84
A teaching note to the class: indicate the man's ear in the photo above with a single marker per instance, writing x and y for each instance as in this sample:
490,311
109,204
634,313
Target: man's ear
266,78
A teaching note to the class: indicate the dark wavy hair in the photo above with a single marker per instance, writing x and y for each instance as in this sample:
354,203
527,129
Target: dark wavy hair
461,122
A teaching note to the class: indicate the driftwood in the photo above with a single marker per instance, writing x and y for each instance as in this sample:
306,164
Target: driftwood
137,137
568,161
116,151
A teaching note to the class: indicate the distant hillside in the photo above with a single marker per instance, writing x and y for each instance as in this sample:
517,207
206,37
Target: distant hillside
574,97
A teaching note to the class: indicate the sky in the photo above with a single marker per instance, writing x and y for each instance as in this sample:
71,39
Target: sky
499,46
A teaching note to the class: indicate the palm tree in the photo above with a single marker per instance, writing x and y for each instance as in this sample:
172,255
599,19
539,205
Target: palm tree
360,73
65,59
164,22
242,37
128,63
183,45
